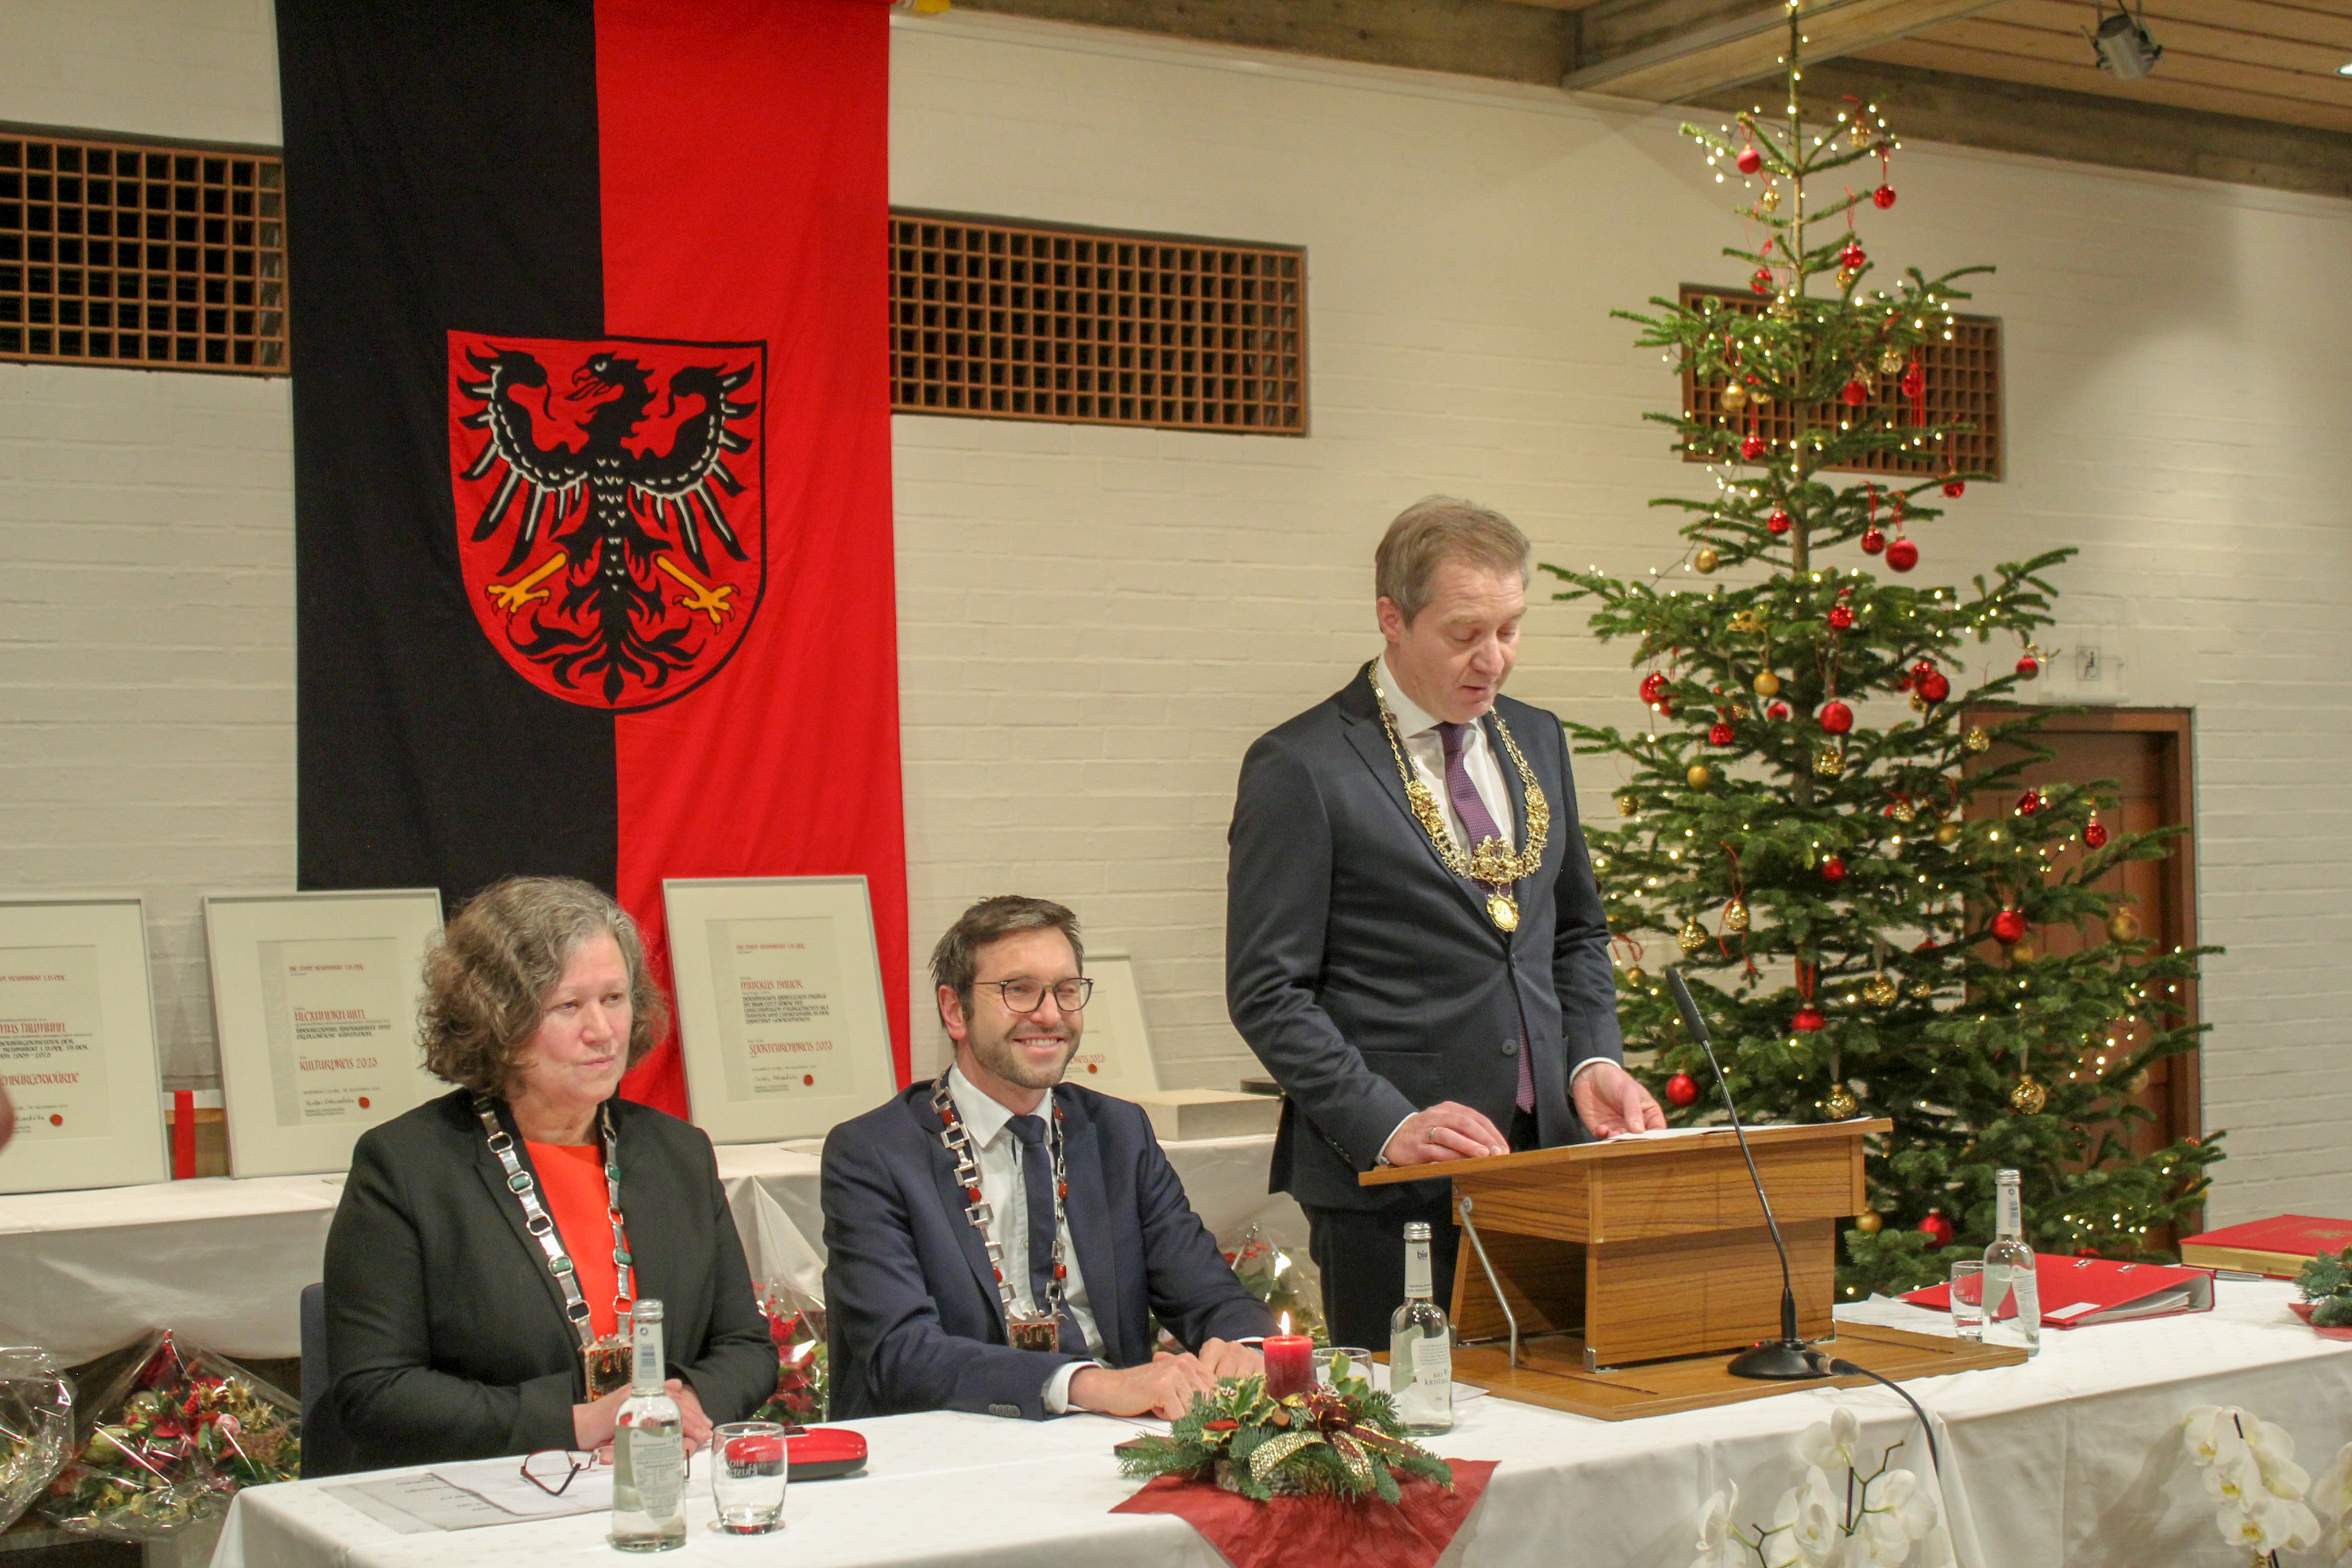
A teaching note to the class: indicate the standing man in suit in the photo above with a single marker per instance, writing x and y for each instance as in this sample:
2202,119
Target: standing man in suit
1414,946
1000,1240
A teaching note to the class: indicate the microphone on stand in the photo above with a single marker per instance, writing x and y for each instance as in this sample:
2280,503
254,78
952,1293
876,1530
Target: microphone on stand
1788,1356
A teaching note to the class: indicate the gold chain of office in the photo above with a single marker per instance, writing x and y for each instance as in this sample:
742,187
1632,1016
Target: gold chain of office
1490,863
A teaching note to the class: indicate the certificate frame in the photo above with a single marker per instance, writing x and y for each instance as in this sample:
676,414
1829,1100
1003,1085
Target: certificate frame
101,978
816,934
280,1122
1113,1054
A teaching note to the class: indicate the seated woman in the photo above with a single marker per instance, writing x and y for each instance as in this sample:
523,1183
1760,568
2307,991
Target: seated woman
460,1323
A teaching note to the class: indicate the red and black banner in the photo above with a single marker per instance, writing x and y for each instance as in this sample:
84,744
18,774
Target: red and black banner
592,449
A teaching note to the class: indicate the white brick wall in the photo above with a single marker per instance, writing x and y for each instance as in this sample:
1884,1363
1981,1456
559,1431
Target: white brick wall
1096,623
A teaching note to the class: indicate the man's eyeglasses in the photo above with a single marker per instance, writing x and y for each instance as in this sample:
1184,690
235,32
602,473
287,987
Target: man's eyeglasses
551,1470
1028,996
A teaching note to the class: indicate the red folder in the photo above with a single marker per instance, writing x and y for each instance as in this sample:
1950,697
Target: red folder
2280,1245
2079,1291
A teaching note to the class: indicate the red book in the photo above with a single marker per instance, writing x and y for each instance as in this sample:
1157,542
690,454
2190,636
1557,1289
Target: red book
2077,1292
2280,1245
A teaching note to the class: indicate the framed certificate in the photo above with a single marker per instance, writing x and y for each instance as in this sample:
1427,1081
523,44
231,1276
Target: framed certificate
315,995
780,1012
78,1045
1114,1048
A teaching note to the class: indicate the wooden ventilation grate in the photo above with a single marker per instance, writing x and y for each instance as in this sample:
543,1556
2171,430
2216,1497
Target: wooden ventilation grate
1015,320
1963,387
155,256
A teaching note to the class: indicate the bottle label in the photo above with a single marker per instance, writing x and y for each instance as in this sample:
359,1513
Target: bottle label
645,1372
1432,1363
2007,1217
1416,1269
658,1465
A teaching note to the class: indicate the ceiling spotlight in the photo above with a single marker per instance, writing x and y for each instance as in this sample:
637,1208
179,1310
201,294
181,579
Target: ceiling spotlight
2122,42
2344,69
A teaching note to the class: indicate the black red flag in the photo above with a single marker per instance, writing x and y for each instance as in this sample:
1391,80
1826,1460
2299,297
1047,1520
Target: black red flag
591,448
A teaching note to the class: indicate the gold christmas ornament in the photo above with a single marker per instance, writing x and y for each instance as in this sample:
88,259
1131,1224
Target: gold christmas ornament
1767,684
1771,199
1735,916
1735,397
1918,703
1976,740
2028,1097
1891,362
1845,276
1707,560
1747,620
2122,925
2137,1083
1948,833
1858,134
1869,1222
1921,991
1759,397
1692,936
2021,953
1626,804
1905,812
1635,978
1829,762
1700,775
1839,1102
1880,989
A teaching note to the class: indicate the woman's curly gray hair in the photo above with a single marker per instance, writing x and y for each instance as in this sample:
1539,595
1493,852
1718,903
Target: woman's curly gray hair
488,977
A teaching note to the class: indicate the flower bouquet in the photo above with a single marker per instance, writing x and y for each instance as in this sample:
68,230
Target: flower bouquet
172,1439
2325,1286
35,1428
1284,1279
803,1380
1344,1439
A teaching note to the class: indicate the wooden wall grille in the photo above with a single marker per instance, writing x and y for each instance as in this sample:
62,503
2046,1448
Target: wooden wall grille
1013,321
1964,386
143,255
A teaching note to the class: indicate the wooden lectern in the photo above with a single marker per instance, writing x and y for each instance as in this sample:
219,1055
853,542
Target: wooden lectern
1600,1256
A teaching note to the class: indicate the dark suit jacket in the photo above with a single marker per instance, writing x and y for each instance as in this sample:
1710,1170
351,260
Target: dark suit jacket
910,1301
1368,978
445,1332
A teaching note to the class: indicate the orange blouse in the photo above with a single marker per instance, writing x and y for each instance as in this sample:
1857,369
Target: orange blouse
572,1186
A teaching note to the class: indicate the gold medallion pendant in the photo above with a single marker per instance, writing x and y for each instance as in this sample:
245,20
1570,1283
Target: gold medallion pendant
1040,1332
1503,910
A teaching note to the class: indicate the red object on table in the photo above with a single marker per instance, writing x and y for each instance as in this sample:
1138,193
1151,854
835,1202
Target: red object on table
183,1135
1289,1365
1318,1531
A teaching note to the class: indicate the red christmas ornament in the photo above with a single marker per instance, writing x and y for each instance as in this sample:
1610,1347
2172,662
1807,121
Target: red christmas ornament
2027,668
1915,380
1654,685
1836,718
1955,488
2029,802
1777,710
1780,522
1681,1089
1748,160
1719,735
1752,447
2009,925
1937,1230
1833,870
1841,617
1851,255
2095,835
1855,392
1935,688
1902,555
1883,196
1873,540
1807,1020
1762,282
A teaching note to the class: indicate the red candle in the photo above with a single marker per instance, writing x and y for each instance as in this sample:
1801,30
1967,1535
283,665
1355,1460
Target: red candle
1289,1365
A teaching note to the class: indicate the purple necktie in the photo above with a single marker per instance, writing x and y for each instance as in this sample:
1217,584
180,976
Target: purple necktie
1478,825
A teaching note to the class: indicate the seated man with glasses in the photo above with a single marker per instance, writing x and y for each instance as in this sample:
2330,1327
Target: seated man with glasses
999,1240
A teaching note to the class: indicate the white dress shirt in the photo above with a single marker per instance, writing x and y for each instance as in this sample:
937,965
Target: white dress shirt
997,1154
1424,747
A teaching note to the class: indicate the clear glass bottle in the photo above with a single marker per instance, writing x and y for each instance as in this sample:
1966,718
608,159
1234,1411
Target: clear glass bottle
2012,1293
649,1450
1421,1346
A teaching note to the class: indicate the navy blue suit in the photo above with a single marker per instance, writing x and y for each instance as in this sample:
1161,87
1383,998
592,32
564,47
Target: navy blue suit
913,1318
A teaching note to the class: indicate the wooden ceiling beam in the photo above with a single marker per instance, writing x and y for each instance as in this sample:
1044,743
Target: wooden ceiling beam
1669,51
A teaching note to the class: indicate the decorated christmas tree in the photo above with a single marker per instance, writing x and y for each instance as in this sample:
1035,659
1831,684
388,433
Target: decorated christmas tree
1834,833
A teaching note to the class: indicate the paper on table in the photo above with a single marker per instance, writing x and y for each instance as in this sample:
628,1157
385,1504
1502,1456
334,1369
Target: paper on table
501,1484
419,1503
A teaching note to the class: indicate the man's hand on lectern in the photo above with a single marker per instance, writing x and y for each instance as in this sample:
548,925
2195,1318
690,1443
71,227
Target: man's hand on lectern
1609,1101
1444,1132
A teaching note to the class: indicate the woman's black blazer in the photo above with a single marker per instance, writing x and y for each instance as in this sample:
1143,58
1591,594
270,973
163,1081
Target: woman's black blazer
445,1333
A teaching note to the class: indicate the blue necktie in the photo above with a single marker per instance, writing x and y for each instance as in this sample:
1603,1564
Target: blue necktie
1038,1184
1477,826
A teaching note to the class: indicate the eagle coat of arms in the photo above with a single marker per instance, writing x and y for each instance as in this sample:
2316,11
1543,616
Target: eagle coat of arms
611,518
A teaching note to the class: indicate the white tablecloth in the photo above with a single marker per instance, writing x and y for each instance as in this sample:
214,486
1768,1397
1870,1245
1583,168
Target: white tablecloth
223,1259
2072,1459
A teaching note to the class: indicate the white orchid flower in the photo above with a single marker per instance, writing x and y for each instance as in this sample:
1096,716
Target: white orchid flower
1831,1445
1717,1546
1899,1496
1805,1525
2235,1481
2203,1428
2272,1524
2331,1494
2274,1449
2335,1546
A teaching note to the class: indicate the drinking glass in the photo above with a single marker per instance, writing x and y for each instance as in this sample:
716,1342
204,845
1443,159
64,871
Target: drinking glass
1360,1363
1968,1301
748,1481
